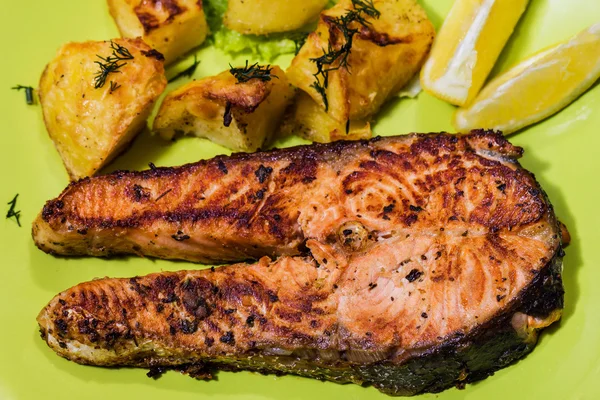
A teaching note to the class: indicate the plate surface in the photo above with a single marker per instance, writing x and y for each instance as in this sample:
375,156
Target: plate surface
562,151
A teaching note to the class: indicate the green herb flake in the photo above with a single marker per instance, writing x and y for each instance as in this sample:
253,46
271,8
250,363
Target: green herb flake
299,38
28,93
12,213
254,71
114,86
111,64
189,71
337,57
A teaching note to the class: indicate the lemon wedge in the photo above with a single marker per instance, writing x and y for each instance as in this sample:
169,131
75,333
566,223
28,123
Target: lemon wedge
537,87
467,47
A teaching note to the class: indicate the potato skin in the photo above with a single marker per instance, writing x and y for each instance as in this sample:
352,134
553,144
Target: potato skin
385,55
173,27
198,108
261,17
90,126
307,119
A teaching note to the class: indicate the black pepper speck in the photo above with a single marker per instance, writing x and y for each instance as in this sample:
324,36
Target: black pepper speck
413,275
262,173
228,338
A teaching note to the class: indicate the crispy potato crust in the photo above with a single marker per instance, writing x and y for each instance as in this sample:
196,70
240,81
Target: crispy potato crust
307,119
240,116
385,55
89,126
173,27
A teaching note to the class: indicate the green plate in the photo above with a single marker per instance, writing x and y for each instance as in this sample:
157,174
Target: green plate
562,151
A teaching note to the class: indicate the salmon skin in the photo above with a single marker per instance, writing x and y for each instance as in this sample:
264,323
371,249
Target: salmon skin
411,263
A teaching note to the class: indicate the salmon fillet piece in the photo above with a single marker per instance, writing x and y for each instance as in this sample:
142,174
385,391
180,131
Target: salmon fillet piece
412,263
246,206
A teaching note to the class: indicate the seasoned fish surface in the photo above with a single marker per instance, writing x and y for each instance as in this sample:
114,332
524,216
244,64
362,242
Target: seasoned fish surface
410,263
250,205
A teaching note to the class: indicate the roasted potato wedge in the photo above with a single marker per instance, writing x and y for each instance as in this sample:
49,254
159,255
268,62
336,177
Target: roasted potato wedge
240,116
386,53
307,119
261,17
172,27
90,125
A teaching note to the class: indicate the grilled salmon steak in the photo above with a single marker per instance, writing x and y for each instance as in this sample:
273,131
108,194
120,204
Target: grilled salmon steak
411,263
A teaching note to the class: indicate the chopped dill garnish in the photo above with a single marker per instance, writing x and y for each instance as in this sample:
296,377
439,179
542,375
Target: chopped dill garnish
189,71
254,71
164,194
113,86
111,64
299,38
365,7
337,57
28,93
11,212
